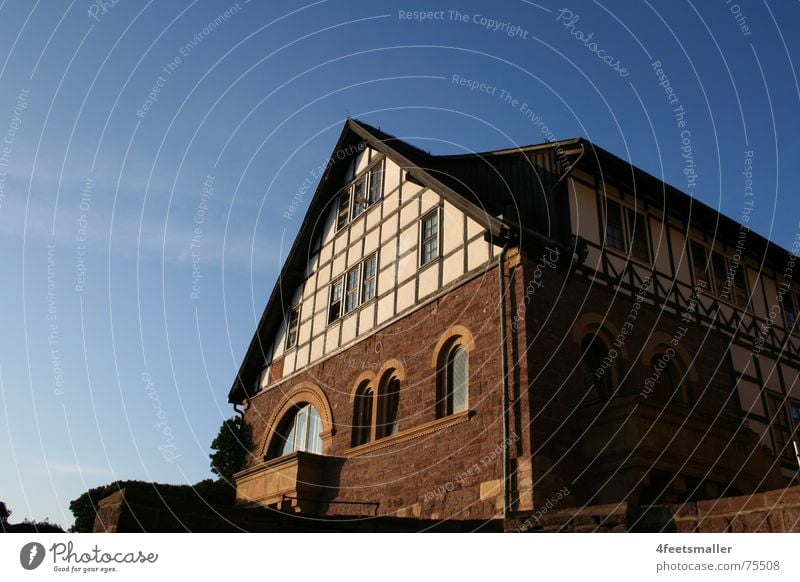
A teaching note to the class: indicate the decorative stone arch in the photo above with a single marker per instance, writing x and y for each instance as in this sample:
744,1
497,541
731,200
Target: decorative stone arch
591,326
367,377
594,324
394,366
659,343
303,393
453,336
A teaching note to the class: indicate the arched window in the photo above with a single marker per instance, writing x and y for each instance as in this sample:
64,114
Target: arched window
453,381
299,431
362,416
388,406
669,378
599,369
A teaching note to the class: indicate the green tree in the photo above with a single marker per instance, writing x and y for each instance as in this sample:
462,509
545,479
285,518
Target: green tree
231,448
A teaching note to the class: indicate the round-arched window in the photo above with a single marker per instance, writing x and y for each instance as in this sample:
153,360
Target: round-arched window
299,431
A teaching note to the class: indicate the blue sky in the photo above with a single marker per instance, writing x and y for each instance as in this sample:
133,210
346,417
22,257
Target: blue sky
112,120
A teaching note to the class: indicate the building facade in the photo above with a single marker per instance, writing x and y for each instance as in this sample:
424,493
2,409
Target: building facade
482,336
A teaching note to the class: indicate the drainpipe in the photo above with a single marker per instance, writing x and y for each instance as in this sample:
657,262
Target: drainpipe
504,370
238,411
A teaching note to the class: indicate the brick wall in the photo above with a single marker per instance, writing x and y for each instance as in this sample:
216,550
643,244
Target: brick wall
440,475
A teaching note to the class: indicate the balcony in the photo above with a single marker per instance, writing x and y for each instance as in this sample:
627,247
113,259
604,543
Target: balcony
646,450
294,482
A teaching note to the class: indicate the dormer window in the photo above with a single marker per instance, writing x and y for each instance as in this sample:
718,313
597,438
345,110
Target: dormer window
364,191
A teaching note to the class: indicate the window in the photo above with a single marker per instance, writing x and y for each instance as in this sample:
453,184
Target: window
780,425
388,406
362,417
596,372
292,324
454,381
365,190
344,210
791,309
794,407
665,370
369,272
299,431
375,183
626,229
639,239
335,300
351,290
359,198
723,277
700,264
354,288
614,230
429,235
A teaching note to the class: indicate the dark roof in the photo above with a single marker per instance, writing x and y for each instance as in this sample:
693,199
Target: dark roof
520,191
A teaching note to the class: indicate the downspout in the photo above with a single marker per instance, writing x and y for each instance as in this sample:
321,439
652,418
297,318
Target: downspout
504,370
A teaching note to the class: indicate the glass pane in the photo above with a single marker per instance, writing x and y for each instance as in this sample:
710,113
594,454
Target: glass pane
389,404
740,285
313,442
363,418
368,274
344,209
376,183
288,443
790,311
460,374
430,250
795,412
335,307
699,261
637,227
720,275
359,197
301,429
351,293
614,234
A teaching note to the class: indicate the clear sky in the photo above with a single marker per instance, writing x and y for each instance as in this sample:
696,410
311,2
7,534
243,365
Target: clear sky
149,150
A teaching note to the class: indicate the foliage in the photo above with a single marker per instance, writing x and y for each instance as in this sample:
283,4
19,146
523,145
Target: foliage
232,446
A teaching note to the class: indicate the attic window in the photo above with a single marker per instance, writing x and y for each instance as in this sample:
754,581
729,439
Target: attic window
364,191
